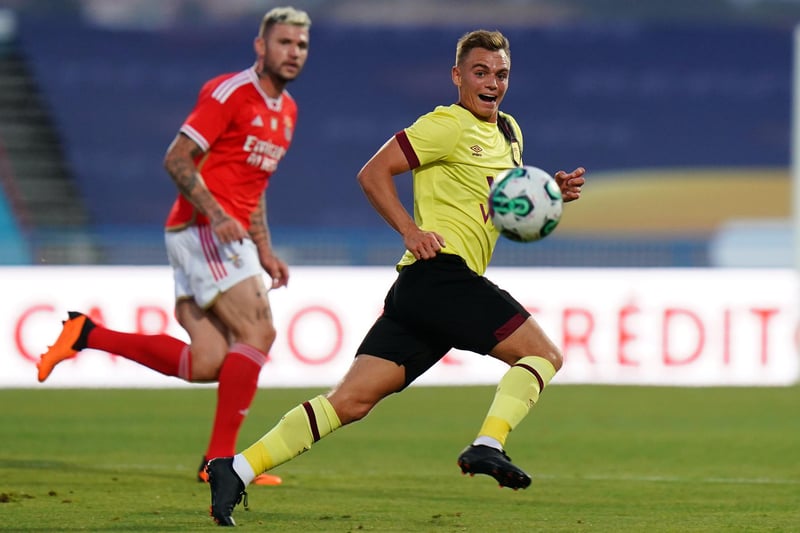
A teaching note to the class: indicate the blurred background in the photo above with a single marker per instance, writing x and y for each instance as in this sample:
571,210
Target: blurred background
680,110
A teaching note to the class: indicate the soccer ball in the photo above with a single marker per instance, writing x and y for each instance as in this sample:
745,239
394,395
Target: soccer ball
525,204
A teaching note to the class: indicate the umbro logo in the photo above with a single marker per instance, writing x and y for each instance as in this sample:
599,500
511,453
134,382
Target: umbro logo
258,121
476,150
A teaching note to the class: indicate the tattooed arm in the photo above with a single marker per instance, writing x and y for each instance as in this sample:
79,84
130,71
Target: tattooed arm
259,232
179,163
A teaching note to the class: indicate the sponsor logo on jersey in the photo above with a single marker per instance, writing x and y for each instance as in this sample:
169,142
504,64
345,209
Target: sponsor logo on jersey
263,155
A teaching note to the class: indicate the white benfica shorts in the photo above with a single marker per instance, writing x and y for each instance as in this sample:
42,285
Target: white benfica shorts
203,268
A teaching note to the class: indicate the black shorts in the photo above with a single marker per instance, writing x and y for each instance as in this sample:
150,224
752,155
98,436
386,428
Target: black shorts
439,304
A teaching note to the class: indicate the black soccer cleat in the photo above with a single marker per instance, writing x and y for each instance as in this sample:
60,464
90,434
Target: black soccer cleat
479,459
227,490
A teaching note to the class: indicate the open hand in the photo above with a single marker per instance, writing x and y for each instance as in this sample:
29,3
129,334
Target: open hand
570,183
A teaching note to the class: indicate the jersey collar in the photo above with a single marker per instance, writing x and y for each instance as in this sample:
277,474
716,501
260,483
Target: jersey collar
274,104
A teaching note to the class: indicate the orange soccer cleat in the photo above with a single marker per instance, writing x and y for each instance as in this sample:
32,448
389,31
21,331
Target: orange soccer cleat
263,479
72,339
267,479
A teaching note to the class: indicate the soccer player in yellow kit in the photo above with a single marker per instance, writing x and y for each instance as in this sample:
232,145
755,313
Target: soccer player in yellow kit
440,299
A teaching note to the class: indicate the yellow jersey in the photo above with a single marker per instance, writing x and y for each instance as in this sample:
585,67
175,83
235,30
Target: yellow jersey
454,159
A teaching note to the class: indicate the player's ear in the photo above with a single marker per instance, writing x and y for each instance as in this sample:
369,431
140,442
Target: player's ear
455,74
260,46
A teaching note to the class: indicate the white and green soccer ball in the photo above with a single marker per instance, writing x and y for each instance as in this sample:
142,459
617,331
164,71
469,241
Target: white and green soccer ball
525,203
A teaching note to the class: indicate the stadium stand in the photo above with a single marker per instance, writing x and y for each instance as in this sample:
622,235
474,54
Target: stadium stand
648,96
12,242
40,194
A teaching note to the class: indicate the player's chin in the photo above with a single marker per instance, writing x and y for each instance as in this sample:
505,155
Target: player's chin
486,112
289,73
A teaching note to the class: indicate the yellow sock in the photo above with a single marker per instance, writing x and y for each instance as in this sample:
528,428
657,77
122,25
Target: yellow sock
516,393
294,434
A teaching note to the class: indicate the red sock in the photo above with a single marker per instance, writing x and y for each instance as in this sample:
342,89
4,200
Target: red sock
238,381
162,353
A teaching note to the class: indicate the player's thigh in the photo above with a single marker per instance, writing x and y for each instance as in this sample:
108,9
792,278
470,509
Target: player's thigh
528,339
209,338
245,311
402,344
368,381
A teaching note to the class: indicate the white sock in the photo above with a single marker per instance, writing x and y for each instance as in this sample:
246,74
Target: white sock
483,440
243,469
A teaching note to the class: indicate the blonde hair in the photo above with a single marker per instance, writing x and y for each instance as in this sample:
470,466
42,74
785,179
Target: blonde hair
489,40
283,15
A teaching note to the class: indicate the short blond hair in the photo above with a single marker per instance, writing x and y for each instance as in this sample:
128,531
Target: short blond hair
283,15
489,40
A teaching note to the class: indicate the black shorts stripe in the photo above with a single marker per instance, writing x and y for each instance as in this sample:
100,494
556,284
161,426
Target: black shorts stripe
503,332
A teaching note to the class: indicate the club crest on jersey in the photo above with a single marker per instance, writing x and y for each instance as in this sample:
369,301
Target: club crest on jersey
236,260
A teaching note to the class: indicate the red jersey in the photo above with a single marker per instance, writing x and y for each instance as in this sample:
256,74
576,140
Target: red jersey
244,134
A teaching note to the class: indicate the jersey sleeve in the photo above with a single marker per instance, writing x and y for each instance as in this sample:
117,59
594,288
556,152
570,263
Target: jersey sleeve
209,118
433,136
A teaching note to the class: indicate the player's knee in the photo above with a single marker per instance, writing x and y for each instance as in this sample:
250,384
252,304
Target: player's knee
551,354
351,409
356,411
205,370
269,335
555,357
261,337
206,360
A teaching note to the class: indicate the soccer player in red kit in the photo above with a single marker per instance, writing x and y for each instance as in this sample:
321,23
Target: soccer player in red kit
217,237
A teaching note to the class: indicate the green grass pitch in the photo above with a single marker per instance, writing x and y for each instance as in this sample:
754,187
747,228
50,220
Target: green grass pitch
639,459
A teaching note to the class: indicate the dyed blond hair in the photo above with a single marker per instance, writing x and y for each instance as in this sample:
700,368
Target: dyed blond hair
283,15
